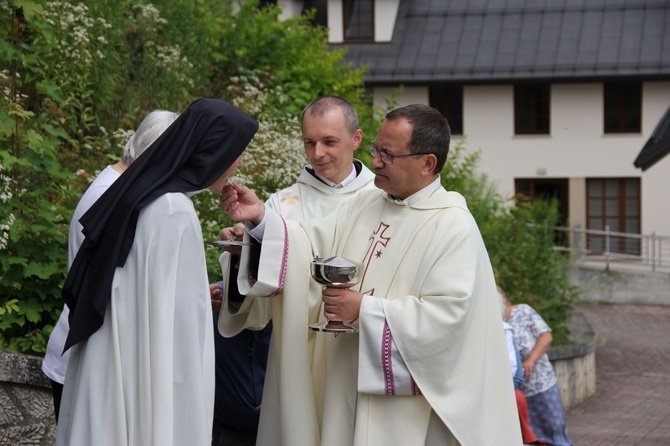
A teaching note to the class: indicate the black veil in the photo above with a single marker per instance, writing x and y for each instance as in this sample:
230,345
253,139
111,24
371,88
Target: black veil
199,146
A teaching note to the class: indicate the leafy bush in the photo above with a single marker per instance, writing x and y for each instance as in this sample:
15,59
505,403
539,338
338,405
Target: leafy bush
527,267
32,185
518,241
56,77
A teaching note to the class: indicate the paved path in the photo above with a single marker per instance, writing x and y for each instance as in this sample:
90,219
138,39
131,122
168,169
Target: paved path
632,402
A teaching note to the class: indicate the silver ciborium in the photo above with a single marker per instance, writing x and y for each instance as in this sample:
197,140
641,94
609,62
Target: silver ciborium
335,272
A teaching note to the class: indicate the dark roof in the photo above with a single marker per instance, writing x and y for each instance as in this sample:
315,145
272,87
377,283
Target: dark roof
498,40
657,146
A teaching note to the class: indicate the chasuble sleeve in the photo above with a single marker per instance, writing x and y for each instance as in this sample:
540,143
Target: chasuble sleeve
381,369
259,276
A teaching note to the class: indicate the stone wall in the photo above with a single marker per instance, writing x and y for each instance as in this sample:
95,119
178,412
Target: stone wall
575,364
622,286
26,405
575,368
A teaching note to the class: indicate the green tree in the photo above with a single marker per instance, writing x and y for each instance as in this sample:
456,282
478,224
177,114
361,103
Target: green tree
55,81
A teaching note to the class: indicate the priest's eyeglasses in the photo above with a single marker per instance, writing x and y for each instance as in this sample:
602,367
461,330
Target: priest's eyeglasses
386,157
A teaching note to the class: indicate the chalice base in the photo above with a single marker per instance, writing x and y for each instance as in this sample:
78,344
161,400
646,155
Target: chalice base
334,327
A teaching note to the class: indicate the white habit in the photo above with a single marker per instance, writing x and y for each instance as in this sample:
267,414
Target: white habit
429,365
146,377
55,361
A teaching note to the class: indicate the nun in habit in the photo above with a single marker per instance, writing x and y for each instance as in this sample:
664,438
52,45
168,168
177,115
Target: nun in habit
141,370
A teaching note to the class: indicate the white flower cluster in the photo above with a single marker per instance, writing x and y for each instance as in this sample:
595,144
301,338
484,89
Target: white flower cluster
167,58
274,158
250,95
75,31
5,187
122,136
171,60
152,16
4,231
10,96
6,221
5,83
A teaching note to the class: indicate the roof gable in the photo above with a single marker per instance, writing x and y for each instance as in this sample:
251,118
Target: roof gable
520,39
658,145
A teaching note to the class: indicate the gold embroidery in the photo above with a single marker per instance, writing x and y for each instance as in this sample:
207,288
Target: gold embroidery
290,199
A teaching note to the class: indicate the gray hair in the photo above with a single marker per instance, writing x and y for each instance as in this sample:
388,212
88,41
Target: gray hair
151,127
501,300
322,105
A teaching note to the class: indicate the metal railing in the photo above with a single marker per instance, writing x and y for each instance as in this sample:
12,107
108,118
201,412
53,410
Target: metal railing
647,250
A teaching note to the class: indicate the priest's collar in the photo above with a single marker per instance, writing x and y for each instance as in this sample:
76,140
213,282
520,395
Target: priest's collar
352,176
418,196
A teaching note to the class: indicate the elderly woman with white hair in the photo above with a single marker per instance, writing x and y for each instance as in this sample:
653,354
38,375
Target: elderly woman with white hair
533,338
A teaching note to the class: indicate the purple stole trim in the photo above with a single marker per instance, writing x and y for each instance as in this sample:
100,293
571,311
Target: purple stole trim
284,259
415,388
387,362
387,342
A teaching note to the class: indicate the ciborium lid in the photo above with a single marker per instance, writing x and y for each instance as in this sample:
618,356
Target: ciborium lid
336,271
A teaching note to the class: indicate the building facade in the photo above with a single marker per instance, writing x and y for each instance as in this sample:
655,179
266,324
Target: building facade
559,96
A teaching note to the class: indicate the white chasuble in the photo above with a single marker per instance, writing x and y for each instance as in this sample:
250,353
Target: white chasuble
433,367
146,377
308,198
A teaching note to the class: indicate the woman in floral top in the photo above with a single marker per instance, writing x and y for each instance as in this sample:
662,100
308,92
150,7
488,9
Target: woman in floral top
533,338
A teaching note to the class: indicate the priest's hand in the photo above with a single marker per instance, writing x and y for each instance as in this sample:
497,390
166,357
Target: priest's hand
234,233
341,304
241,204
215,295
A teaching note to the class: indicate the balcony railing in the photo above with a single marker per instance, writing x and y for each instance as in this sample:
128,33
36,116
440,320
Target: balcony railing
609,247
